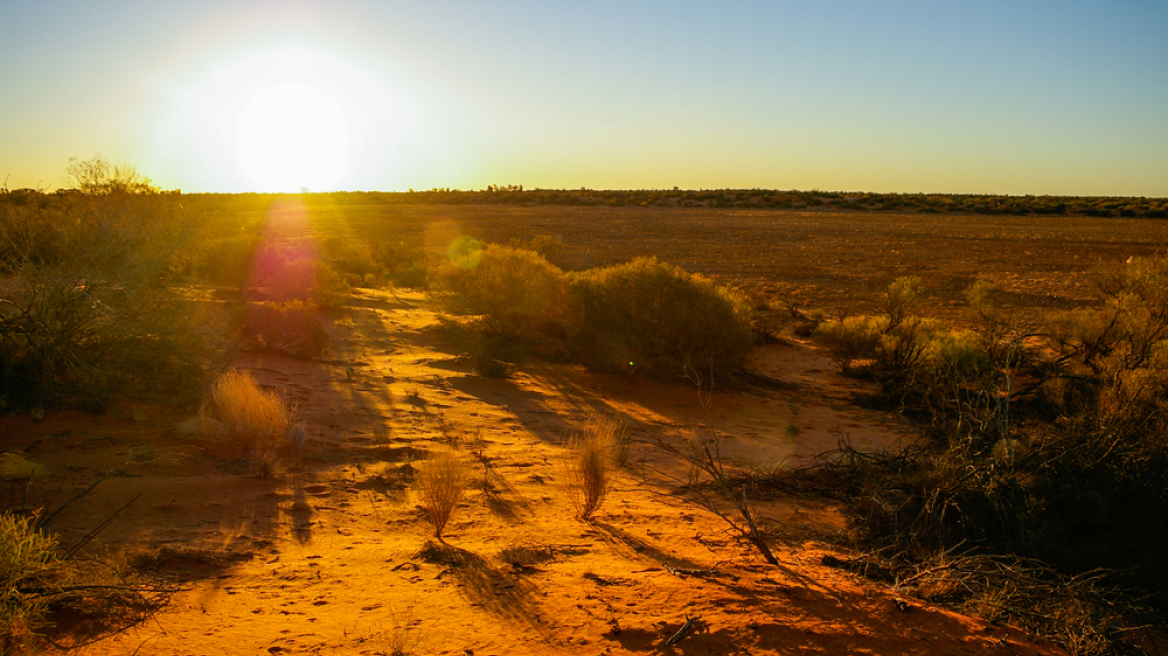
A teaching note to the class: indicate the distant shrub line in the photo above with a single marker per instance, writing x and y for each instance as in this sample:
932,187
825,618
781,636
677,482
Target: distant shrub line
790,199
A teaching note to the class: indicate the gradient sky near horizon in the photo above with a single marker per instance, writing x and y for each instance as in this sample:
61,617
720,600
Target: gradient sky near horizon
1006,97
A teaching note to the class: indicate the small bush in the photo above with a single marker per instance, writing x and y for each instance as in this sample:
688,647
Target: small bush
29,567
293,327
441,481
256,419
849,340
587,472
515,292
652,317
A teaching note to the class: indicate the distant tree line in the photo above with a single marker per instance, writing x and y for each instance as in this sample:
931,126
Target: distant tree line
1102,206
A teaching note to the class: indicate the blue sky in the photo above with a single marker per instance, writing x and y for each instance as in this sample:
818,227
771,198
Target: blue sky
987,97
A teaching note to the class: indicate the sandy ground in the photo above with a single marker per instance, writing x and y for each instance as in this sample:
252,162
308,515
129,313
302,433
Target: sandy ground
333,556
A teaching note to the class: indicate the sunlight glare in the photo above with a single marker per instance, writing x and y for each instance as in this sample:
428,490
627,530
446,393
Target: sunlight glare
292,137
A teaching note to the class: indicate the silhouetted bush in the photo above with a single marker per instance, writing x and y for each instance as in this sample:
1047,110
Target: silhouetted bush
86,314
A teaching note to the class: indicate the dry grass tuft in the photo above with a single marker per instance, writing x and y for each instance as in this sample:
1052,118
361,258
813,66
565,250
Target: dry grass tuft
28,564
587,472
257,419
612,436
441,481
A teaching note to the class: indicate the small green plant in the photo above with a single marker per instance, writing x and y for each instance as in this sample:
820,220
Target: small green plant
441,481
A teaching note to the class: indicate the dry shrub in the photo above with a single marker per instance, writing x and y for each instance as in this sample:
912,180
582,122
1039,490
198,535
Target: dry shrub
29,567
521,554
587,473
649,316
441,481
256,419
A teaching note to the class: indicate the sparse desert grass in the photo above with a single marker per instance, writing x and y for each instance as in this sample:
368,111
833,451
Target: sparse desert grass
256,419
404,636
441,481
587,472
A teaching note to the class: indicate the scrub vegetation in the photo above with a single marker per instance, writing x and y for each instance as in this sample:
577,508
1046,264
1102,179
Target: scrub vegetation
1035,493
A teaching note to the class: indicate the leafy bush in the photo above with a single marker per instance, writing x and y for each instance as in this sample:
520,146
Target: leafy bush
1049,470
551,248
649,316
514,292
293,272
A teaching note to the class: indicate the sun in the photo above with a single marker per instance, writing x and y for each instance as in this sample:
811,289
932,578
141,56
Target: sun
293,136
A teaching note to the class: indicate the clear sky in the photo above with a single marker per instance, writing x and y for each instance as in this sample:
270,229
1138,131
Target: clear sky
1008,97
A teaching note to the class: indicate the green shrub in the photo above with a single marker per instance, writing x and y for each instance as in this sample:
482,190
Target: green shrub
219,260
551,248
514,292
652,317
